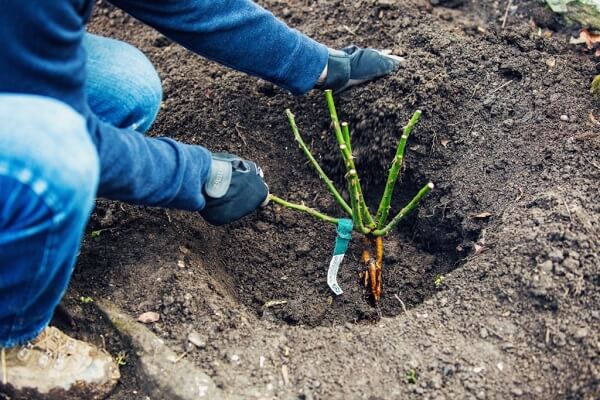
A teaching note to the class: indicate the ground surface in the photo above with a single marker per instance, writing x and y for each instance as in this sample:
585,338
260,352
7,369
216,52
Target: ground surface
506,134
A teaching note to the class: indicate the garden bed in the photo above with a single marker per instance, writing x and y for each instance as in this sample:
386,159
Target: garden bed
497,270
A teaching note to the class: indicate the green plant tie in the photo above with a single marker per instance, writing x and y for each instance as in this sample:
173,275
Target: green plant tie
344,235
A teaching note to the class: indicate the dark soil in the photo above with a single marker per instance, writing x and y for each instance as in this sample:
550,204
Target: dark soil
506,132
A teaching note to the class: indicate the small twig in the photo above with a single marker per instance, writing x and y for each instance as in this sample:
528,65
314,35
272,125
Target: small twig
506,13
499,87
350,31
237,130
402,304
185,353
568,211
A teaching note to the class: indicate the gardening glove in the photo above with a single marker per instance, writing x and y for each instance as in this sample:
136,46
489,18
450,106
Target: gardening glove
234,189
353,65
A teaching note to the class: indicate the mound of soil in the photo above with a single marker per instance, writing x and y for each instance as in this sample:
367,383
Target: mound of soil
512,228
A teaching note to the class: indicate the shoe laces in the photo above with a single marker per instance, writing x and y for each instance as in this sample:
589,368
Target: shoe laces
53,346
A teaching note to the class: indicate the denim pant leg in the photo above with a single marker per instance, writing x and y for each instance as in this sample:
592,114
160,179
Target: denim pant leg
122,86
49,173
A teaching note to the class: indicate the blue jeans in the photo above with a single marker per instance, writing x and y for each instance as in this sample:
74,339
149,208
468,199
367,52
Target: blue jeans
49,172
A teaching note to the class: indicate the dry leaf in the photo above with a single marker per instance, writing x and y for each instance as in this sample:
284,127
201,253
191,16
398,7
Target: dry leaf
149,317
551,62
273,303
586,37
482,215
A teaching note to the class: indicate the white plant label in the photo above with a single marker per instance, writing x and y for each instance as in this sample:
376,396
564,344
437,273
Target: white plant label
334,266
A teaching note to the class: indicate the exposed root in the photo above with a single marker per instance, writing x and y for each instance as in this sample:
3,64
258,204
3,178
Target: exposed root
372,275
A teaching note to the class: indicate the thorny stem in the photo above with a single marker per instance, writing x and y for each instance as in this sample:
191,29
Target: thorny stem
346,133
384,205
357,215
315,164
303,208
351,175
405,211
365,214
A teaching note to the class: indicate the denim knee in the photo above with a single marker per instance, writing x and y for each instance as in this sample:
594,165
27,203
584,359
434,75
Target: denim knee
49,171
122,85
44,144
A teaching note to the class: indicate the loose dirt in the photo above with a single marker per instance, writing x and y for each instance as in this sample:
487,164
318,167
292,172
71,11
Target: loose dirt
506,132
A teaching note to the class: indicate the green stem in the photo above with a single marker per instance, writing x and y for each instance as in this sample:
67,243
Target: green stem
405,211
346,133
364,212
338,197
357,213
303,208
384,206
355,188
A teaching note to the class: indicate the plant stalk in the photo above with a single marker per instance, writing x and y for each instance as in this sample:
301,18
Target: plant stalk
357,215
346,133
303,208
405,211
384,206
354,184
338,197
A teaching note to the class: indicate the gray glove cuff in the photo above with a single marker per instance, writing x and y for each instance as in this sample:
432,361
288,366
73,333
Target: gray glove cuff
353,66
338,70
219,177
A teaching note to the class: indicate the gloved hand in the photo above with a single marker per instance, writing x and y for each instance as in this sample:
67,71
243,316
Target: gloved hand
353,65
234,189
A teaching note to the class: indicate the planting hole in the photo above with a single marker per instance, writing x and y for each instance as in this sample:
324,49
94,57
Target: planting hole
290,264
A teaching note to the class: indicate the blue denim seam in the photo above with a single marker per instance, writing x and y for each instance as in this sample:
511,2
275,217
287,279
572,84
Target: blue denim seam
26,177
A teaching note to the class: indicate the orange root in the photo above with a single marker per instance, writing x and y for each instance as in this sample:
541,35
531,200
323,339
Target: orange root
366,256
372,275
379,249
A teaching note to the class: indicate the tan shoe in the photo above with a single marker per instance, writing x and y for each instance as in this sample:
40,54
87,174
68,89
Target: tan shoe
56,366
